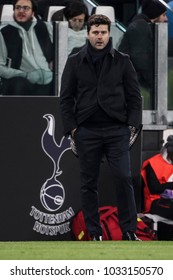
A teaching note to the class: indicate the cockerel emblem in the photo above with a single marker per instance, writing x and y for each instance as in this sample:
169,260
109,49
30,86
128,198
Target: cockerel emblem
52,193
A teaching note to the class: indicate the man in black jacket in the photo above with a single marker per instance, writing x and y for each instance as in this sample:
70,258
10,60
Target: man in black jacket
138,42
100,99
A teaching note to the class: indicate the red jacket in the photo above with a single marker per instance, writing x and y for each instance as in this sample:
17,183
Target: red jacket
163,170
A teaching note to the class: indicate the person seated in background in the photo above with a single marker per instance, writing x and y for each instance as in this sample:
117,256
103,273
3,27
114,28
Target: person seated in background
138,42
76,13
157,177
26,53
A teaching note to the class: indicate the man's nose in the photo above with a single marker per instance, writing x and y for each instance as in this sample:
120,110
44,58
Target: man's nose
100,34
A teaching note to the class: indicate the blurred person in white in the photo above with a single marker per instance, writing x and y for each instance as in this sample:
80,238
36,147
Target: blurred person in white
26,66
76,13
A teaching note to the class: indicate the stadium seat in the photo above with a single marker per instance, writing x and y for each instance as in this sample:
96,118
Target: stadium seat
55,13
6,13
108,11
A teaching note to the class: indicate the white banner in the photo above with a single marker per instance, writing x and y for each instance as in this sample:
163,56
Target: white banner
86,269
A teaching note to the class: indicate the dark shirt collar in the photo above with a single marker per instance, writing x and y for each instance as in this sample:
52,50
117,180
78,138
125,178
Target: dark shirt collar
25,25
97,54
85,53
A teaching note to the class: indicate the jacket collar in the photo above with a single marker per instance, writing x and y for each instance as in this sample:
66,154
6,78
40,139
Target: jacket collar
141,17
85,55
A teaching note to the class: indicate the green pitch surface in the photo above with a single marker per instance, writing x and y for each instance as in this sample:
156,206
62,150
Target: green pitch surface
88,250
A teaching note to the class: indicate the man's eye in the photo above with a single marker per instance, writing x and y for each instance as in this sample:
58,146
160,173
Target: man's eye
97,32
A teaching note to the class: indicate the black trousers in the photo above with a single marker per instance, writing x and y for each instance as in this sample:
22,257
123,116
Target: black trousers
92,144
21,86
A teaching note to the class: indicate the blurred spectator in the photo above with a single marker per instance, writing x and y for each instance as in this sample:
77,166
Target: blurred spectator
76,13
138,42
26,53
157,174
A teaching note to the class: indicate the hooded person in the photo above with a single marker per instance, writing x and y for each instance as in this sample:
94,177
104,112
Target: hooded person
138,42
154,10
26,52
157,175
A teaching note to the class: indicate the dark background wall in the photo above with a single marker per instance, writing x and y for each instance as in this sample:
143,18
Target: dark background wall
26,168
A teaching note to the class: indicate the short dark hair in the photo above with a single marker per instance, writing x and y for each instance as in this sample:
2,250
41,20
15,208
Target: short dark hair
33,2
75,8
98,20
